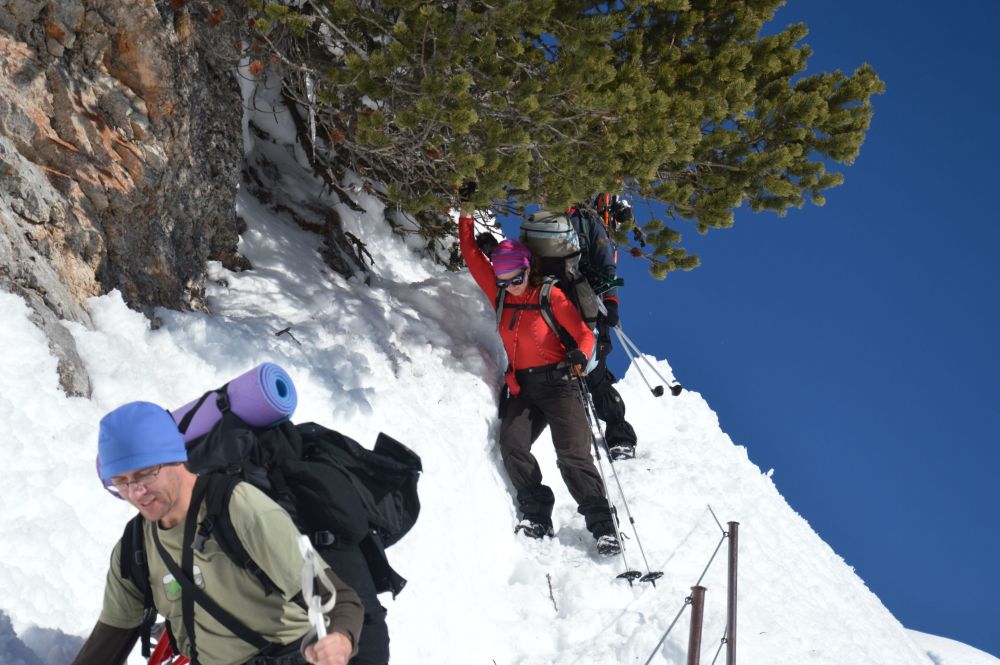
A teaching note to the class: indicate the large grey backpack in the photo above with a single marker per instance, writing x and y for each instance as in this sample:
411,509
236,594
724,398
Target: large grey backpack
552,238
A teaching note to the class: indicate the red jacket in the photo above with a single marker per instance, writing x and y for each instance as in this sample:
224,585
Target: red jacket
530,343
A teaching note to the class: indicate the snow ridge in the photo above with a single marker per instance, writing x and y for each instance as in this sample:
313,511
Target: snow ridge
414,353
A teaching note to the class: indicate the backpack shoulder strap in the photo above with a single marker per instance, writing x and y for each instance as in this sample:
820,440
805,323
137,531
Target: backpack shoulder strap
583,231
219,523
501,297
133,567
501,304
545,303
191,593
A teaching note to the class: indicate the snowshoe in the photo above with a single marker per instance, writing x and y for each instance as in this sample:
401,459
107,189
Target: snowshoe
622,451
533,529
608,546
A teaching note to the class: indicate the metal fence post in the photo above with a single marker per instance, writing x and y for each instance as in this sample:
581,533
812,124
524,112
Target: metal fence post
734,542
697,614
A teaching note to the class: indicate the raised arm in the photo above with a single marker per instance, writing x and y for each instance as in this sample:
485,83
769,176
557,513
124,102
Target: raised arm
479,265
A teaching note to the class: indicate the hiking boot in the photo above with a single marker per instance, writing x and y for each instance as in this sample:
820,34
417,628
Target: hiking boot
621,451
608,545
533,529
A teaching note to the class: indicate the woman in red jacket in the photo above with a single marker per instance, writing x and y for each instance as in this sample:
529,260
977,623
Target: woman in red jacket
540,389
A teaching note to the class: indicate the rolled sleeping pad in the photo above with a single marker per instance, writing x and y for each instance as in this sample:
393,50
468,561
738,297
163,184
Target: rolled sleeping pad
262,397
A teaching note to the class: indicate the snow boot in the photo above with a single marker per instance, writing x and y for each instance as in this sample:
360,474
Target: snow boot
622,451
608,545
532,529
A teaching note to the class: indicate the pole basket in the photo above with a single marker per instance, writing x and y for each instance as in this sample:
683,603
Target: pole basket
651,577
630,576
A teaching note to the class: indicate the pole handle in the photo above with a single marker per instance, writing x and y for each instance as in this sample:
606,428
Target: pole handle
313,568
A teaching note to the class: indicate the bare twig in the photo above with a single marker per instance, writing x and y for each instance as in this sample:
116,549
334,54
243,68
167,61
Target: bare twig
287,331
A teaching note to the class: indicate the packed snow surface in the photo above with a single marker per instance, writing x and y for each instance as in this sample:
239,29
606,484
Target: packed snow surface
415,355
943,651
412,351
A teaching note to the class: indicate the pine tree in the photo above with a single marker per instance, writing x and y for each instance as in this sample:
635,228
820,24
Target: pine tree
684,102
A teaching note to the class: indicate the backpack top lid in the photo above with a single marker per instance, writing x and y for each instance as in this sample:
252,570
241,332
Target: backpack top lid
135,436
550,234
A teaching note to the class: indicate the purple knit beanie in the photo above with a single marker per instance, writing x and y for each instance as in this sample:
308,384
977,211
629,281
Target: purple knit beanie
510,255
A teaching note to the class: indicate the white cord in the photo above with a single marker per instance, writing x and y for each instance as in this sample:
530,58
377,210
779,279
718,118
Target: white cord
313,568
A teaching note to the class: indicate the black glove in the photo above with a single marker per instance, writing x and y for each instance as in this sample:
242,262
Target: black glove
486,242
466,191
612,316
621,212
576,357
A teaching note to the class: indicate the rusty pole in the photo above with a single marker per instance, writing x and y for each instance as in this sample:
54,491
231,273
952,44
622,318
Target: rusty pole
734,542
697,613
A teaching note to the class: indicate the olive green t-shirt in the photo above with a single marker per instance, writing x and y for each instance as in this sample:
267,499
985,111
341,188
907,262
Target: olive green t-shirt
271,539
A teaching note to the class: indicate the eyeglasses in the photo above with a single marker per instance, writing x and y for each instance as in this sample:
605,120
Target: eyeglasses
142,479
516,280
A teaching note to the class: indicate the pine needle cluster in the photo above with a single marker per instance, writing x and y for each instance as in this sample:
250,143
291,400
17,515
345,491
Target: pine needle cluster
684,102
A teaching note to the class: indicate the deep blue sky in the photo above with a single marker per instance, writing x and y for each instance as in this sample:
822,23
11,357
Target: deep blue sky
854,347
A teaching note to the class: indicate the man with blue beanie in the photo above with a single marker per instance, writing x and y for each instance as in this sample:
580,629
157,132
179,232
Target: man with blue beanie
141,459
143,436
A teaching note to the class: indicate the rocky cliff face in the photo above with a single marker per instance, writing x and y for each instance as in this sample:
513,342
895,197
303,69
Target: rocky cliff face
120,152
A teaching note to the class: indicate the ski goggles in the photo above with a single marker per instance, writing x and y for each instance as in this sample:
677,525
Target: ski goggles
516,280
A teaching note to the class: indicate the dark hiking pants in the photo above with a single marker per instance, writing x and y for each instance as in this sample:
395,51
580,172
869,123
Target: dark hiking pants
550,398
350,565
607,402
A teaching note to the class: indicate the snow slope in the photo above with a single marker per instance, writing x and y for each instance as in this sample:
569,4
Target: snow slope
414,353
943,651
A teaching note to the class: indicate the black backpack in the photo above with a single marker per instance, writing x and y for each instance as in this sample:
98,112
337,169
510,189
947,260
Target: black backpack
337,492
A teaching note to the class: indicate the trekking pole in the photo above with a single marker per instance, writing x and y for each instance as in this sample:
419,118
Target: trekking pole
675,388
597,435
312,569
629,575
658,390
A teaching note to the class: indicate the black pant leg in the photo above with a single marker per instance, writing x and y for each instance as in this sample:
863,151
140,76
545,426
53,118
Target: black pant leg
373,648
571,436
350,565
536,503
521,421
596,513
609,406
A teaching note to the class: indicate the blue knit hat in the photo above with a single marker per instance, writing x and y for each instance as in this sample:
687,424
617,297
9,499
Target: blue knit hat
135,436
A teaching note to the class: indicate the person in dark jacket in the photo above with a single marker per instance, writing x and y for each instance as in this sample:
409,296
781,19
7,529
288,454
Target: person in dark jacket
540,381
142,457
599,257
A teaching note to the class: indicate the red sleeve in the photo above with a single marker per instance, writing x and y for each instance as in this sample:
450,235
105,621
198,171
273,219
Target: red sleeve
479,265
568,316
